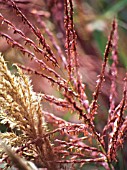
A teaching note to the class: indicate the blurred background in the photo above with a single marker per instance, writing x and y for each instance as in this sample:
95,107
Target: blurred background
92,21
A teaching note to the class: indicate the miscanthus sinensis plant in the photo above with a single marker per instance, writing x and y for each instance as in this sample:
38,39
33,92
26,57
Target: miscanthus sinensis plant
30,142
21,109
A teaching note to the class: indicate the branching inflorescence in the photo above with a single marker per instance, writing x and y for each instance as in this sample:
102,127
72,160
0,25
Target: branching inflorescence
21,109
